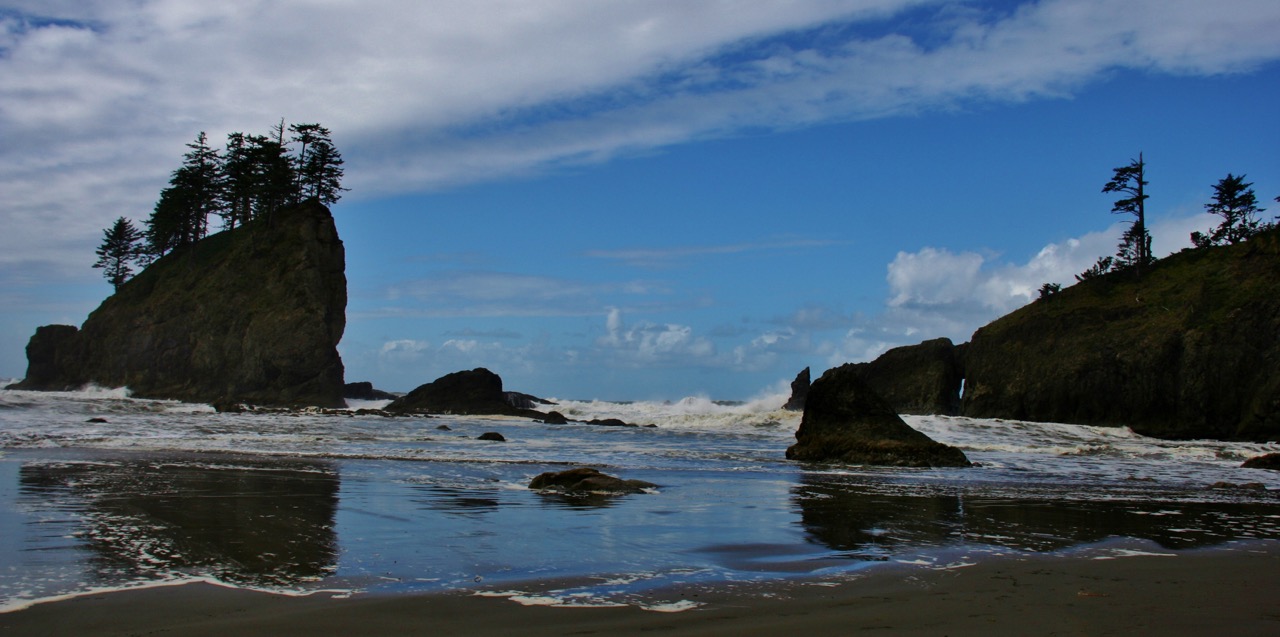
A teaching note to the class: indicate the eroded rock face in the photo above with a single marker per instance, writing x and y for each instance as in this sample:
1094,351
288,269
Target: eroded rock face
1190,350
252,315
799,391
918,379
846,421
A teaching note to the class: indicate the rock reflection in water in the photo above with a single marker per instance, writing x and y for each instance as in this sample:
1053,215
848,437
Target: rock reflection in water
247,522
865,519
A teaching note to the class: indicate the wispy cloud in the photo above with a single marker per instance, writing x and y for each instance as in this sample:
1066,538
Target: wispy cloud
669,257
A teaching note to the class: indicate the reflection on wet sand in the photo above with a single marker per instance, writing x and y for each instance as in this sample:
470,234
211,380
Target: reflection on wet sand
243,521
868,520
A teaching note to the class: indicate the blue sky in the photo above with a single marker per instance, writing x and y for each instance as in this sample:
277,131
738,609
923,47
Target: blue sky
645,200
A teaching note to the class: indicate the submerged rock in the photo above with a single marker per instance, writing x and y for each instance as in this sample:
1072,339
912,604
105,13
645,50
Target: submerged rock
846,421
586,480
492,436
251,315
1268,461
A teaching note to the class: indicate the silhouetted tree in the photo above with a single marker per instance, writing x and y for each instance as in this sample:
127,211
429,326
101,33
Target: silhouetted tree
121,248
1049,289
1100,267
1236,203
318,164
1135,244
181,216
239,182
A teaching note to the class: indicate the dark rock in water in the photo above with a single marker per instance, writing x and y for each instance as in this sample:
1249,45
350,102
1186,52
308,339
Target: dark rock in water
917,379
525,401
251,315
474,392
97,420
555,418
365,391
586,480
609,422
444,428
845,421
492,436
1189,350
1269,461
799,390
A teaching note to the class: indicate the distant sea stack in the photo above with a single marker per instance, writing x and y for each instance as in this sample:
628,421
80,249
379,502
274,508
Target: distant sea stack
473,392
251,315
846,421
1189,350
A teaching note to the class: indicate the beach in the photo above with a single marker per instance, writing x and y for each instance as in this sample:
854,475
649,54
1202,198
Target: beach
1209,592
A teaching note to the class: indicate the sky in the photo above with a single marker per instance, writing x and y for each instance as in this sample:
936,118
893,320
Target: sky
644,199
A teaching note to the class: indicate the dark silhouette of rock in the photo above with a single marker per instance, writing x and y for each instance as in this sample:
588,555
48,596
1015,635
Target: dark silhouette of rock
1189,350
586,480
555,418
1268,461
525,401
799,390
917,379
365,391
846,421
475,392
492,436
252,315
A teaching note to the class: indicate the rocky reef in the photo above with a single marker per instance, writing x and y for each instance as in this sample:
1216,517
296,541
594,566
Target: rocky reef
1189,350
252,315
846,421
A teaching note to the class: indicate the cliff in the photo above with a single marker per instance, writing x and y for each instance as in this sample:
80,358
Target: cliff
1190,350
252,315
917,379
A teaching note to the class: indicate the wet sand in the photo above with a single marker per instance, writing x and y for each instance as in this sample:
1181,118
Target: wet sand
1212,592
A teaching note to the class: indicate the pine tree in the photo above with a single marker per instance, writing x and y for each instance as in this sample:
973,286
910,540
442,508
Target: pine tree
319,165
239,182
181,216
121,248
1135,244
1236,203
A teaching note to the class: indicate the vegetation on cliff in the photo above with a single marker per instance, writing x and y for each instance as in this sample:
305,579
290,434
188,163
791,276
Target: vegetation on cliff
1191,349
249,315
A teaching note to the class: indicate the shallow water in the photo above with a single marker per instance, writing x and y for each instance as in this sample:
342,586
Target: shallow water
168,492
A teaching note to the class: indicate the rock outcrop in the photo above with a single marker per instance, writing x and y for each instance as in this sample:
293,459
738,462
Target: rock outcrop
1189,350
365,391
918,379
586,480
799,391
846,421
252,315
476,392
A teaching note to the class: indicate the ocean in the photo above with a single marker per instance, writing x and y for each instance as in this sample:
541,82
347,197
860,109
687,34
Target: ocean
103,492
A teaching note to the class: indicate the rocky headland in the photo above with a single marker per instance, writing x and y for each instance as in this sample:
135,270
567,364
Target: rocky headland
252,315
1189,350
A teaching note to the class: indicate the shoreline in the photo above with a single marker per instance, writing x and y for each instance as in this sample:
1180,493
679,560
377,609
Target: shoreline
1205,591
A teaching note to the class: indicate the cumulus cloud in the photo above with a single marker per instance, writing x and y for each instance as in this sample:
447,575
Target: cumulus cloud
647,343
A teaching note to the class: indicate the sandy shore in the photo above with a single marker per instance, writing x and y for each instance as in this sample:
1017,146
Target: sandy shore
1199,593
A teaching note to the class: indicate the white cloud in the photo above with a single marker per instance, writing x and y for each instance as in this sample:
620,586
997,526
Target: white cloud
647,343
96,105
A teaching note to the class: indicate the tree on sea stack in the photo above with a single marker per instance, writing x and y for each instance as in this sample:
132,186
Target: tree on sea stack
1135,244
121,248
846,421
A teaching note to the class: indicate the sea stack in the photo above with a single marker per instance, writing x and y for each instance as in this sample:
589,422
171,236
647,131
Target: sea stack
846,421
251,315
